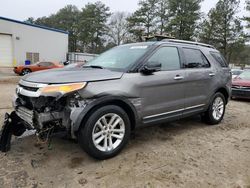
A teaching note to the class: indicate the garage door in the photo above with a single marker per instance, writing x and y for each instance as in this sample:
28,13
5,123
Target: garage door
6,57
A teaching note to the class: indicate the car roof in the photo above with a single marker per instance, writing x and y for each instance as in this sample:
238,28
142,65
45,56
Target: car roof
174,42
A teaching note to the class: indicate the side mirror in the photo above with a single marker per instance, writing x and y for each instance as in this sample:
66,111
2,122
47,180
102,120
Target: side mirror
150,68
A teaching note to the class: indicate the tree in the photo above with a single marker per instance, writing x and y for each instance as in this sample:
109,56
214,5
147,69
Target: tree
223,29
30,20
67,19
184,15
144,19
118,28
247,18
162,15
92,26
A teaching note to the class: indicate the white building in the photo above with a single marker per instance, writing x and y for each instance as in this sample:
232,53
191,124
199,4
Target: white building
21,41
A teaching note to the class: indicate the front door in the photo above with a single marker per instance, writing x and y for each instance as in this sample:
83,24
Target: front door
163,92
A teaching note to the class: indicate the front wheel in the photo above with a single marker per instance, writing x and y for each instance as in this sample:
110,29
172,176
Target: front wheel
25,71
216,110
105,133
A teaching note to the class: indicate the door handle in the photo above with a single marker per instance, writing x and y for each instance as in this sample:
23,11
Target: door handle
178,77
212,74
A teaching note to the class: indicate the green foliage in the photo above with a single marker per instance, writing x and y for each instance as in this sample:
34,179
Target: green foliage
247,18
223,29
143,20
184,15
241,56
94,29
92,26
162,15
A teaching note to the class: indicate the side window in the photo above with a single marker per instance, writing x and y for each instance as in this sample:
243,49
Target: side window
168,57
45,64
219,59
195,59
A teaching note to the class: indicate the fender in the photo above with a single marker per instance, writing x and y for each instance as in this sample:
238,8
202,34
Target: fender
101,101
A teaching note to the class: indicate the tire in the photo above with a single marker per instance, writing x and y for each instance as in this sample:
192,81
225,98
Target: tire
93,134
25,71
216,110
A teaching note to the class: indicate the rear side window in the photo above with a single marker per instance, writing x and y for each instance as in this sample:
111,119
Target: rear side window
219,59
195,58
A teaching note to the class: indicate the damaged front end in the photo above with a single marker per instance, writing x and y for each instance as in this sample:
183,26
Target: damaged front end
46,108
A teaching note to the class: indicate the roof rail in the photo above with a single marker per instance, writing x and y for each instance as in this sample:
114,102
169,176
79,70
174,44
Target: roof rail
188,42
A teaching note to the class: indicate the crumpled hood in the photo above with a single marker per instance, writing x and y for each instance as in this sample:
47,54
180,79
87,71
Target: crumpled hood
56,76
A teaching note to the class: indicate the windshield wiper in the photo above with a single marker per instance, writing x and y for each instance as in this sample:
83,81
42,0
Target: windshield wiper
94,67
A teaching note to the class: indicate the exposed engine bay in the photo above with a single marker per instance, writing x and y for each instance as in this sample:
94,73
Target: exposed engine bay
47,113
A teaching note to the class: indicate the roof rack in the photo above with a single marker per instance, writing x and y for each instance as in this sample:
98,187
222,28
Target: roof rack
188,42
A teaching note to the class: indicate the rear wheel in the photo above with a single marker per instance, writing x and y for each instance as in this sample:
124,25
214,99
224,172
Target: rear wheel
105,133
216,110
26,71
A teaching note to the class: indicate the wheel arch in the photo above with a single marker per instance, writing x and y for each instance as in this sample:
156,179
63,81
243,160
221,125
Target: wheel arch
123,103
27,68
224,92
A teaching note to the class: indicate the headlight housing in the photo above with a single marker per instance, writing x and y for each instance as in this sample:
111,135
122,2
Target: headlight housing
62,88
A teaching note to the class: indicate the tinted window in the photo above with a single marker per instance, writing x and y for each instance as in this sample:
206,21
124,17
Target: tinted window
195,59
219,58
168,57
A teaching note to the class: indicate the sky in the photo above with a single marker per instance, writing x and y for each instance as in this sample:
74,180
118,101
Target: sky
22,9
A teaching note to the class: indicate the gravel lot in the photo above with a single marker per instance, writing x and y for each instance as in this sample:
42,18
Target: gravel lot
186,153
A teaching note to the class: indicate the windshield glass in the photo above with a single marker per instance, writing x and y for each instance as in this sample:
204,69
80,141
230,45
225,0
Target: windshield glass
236,72
119,58
245,75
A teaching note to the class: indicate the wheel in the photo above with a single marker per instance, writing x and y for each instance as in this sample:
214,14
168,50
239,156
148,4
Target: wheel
216,110
105,133
26,71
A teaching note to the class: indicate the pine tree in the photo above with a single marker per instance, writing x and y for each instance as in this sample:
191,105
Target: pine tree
247,18
93,26
144,19
223,29
184,15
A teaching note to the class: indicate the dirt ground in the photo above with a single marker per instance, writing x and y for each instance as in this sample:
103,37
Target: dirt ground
186,153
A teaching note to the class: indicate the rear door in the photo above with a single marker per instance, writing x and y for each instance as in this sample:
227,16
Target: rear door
199,76
163,92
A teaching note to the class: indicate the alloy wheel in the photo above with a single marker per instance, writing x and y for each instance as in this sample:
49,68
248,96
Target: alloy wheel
108,132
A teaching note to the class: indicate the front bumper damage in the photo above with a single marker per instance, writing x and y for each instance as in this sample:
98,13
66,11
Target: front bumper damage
44,114
12,126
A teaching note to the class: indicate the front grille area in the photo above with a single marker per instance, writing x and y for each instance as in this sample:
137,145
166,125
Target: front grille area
244,93
241,87
25,114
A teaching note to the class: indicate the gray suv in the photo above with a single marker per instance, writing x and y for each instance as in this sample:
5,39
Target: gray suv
127,87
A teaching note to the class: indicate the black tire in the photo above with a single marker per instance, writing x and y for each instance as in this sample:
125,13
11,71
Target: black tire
208,117
86,132
25,71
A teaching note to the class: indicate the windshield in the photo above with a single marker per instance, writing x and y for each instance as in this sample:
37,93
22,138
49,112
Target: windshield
236,72
245,75
119,58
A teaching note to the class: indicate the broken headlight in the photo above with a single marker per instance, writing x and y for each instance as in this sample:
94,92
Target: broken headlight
62,88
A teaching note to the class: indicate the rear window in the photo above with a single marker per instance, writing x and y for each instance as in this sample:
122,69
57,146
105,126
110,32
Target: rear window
219,59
